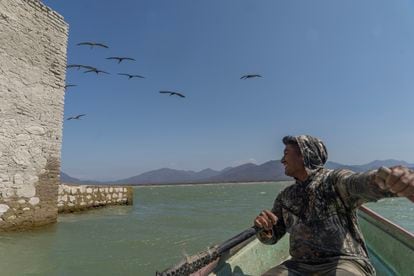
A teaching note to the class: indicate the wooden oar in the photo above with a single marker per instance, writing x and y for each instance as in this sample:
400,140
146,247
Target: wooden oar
196,262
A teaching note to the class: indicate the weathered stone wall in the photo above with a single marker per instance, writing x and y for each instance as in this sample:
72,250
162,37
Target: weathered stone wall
77,198
33,41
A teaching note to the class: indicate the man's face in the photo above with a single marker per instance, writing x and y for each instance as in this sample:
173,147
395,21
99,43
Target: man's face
292,160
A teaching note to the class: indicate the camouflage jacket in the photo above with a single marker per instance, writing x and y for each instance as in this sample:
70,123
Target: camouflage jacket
320,215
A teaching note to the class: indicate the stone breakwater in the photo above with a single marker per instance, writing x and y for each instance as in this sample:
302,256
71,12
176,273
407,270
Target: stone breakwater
72,198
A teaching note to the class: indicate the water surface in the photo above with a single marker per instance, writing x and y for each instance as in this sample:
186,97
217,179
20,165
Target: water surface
165,223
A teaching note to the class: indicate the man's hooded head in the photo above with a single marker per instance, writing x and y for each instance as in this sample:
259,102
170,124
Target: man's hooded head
313,151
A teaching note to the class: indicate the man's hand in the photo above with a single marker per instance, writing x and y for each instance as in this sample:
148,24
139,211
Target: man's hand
399,180
265,220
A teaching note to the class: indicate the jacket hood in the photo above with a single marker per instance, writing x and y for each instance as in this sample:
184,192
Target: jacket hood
313,151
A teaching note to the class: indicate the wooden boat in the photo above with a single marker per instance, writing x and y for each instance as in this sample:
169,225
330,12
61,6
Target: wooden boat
391,250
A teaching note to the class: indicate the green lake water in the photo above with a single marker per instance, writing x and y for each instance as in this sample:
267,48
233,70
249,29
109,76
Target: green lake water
164,224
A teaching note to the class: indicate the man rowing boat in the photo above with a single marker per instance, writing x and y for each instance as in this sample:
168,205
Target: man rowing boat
319,211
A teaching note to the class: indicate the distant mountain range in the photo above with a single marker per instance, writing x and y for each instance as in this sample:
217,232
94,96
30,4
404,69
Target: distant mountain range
269,171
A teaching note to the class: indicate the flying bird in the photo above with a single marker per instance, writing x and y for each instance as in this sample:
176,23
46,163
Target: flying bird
97,71
120,59
77,117
250,76
131,76
70,85
172,93
92,44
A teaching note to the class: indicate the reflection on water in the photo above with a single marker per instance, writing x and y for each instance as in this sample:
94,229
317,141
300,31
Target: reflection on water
165,224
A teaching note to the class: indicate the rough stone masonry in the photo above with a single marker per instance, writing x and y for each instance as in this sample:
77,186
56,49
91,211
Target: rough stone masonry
33,41
72,198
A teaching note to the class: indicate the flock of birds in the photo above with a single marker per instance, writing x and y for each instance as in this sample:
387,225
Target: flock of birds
119,59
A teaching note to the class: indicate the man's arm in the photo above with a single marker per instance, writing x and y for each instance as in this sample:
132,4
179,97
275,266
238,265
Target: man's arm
356,189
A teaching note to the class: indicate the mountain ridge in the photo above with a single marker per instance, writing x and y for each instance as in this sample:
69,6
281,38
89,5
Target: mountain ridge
272,170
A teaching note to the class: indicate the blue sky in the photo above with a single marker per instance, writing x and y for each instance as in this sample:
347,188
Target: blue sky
339,70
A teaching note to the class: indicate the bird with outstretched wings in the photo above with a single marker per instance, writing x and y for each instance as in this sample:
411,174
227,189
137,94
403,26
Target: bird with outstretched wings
92,44
77,117
131,76
97,71
172,93
120,59
250,76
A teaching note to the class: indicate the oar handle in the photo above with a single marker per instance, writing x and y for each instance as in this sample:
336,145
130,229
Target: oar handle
241,237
